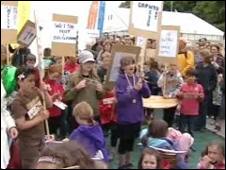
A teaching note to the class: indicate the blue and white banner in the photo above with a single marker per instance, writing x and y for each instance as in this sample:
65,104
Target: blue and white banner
101,16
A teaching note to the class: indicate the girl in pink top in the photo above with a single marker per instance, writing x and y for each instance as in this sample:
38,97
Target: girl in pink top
191,94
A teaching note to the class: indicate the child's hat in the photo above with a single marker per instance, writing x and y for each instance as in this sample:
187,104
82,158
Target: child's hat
86,56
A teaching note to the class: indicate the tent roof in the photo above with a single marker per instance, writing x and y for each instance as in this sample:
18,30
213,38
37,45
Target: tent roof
188,22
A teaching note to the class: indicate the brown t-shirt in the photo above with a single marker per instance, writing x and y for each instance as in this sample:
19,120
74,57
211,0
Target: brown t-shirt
19,109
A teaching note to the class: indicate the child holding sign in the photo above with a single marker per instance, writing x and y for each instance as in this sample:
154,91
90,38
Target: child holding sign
56,91
29,116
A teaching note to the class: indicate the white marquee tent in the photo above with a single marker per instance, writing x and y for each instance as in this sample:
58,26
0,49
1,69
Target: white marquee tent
192,27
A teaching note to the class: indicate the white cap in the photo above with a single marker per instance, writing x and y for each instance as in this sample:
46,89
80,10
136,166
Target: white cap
86,56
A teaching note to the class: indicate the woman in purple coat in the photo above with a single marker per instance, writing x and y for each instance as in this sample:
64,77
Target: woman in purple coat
130,90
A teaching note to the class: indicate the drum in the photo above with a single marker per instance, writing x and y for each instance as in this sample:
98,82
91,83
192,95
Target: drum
158,102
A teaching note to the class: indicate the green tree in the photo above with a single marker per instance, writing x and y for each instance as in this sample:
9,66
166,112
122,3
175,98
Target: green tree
212,12
125,4
180,6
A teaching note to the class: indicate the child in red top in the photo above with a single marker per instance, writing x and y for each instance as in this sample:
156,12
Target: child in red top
191,93
56,90
107,109
71,65
108,118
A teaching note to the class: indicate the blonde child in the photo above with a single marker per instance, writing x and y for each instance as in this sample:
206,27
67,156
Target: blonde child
213,156
89,133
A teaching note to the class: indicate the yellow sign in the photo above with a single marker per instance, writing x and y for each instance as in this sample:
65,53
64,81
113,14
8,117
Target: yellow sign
24,9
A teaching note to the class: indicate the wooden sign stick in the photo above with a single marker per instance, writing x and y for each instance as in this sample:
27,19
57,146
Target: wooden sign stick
41,70
164,83
7,54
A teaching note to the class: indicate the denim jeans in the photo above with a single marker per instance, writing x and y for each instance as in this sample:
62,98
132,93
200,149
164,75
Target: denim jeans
205,109
186,121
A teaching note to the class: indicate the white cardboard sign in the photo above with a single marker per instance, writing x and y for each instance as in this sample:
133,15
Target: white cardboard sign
168,43
64,32
27,34
145,15
8,17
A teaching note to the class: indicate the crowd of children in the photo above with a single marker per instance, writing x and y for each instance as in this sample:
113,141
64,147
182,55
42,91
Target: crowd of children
93,109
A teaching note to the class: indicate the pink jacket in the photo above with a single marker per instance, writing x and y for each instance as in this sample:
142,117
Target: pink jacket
182,141
191,99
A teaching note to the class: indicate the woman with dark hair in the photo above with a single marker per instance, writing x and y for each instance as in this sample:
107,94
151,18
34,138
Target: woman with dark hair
206,76
217,58
130,90
106,48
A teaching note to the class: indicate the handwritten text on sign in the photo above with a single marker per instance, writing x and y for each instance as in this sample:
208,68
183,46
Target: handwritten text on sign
64,32
8,17
168,43
27,35
145,15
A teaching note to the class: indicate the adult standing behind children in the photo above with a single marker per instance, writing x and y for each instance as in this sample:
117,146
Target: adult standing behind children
130,90
207,77
185,58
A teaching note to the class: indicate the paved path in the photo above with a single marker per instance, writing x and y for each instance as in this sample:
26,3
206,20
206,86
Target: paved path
211,128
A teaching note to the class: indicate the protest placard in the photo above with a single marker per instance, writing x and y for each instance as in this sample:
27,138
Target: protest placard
145,18
64,35
141,42
168,44
118,52
9,22
27,34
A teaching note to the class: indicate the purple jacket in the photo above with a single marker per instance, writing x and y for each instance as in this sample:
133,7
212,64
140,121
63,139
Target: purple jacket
127,111
91,138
